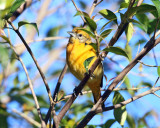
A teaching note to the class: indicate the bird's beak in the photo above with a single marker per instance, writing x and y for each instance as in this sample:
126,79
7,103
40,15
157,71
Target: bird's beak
73,34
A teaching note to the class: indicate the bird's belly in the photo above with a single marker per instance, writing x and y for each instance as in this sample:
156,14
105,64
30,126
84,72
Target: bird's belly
75,62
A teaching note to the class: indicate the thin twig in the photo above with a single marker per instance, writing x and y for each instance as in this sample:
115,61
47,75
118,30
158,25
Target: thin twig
31,87
116,89
93,67
155,82
156,95
30,120
106,94
79,11
33,93
95,3
34,59
151,91
56,92
43,39
147,64
122,80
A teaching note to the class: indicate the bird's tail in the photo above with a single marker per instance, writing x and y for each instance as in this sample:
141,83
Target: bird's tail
95,88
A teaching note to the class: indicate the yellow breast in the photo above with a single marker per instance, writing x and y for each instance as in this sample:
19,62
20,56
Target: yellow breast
77,53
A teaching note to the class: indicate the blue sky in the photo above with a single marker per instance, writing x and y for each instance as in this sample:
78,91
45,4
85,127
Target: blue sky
65,16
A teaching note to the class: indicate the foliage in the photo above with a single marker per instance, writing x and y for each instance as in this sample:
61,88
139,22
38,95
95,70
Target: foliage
141,23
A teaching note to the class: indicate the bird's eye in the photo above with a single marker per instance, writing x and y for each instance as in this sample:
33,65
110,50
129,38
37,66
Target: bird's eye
80,35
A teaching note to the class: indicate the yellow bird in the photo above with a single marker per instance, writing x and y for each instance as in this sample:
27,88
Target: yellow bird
78,50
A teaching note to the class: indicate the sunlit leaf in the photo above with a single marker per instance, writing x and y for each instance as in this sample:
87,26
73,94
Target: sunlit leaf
120,114
21,23
5,38
81,13
158,71
109,15
91,23
129,32
60,94
16,5
104,34
16,81
116,50
124,5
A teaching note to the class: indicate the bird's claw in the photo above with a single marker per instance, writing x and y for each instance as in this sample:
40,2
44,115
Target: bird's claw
75,92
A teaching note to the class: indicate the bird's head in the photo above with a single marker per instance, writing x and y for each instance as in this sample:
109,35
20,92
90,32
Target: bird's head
79,35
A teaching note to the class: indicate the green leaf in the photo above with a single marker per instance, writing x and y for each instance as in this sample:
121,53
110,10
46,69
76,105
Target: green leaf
81,14
108,123
13,8
4,56
8,16
116,50
151,26
120,114
94,45
89,32
127,82
5,38
143,19
134,21
128,85
21,23
87,62
140,42
142,9
124,5
91,23
16,5
60,95
16,81
106,25
131,121
128,50
157,5
50,44
104,34
129,32
158,71
109,15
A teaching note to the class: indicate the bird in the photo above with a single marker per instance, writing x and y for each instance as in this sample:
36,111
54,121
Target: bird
78,50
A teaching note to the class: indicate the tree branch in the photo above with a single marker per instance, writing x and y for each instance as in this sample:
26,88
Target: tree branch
21,9
151,43
91,70
95,3
30,120
35,61
129,100
56,92
78,10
